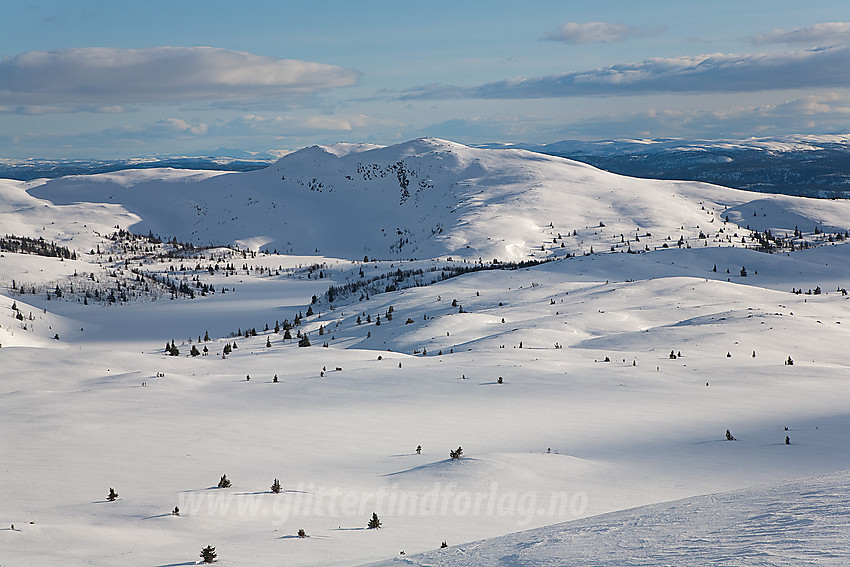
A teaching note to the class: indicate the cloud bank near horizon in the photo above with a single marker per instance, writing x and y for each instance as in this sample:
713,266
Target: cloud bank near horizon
99,76
821,67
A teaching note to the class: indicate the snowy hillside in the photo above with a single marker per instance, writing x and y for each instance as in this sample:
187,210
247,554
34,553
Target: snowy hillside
798,523
806,165
589,384
429,198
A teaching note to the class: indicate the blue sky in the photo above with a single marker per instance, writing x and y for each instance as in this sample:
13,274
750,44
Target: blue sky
88,79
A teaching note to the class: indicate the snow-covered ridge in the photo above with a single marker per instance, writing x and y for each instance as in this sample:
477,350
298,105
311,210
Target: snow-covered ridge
427,198
805,165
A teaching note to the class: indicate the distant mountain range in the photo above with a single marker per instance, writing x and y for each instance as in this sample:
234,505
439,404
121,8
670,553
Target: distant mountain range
29,169
804,165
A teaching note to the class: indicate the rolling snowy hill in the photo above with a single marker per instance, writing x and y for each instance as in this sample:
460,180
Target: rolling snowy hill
590,384
428,198
805,165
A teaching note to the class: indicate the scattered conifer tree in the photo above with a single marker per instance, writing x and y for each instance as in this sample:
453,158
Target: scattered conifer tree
374,522
208,554
112,496
276,486
729,436
787,440
456,454
304,341
224,482
419,449
443,545
789,362
302,533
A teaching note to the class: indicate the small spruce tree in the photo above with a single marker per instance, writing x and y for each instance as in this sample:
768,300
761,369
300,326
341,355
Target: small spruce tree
374,522
112,496
208,554
302,533
276,486
224,482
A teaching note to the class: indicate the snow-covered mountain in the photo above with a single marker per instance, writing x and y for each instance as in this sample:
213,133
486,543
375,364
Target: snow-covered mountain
428,198
806,165
590,384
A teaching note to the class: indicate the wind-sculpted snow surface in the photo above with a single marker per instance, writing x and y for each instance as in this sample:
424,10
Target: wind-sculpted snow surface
796,523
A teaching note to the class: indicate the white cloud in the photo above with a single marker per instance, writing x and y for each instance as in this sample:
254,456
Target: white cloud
831,33
112,77
714,73
167,128
340,122
594,32
251,124
37,109
816,113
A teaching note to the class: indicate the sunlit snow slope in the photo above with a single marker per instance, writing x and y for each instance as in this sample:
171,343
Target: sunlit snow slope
430,197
